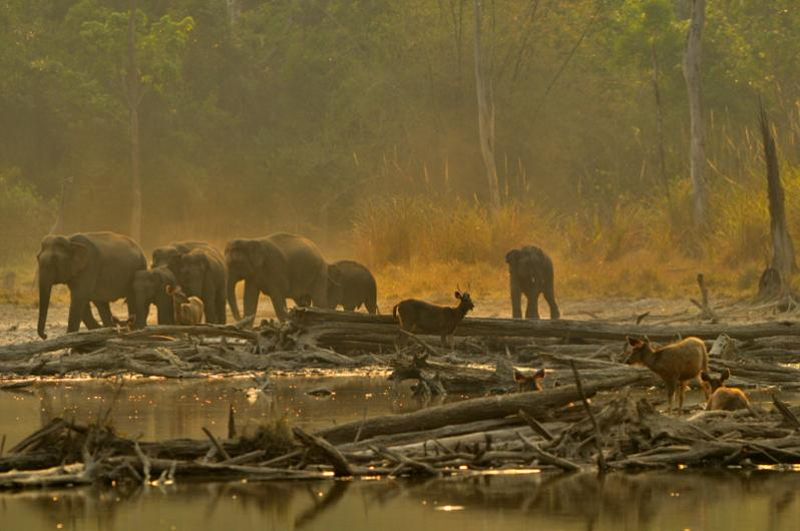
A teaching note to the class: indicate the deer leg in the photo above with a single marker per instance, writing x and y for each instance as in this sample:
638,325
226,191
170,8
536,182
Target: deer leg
670,395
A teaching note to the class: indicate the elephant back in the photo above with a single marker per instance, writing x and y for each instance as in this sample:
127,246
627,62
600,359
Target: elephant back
305,262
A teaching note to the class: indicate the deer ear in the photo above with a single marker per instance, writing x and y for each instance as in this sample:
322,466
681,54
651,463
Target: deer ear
632,341
169,289
518,377
539,373
79,257
705,377
458,295
725,375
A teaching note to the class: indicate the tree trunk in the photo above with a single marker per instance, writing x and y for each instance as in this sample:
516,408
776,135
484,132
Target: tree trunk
662,160
783,259
133,98
483,89
234,11
691,71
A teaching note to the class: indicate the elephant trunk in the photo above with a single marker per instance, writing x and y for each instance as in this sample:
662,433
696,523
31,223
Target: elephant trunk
232,280
142,310
45,285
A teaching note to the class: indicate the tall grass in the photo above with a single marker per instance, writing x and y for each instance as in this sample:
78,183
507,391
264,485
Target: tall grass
638,247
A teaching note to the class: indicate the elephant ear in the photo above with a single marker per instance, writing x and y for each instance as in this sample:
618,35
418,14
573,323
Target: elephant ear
79,257
512,256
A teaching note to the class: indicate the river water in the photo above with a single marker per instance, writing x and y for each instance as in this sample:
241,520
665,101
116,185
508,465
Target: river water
154,409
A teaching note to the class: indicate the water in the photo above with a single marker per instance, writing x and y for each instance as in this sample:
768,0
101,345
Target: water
686,499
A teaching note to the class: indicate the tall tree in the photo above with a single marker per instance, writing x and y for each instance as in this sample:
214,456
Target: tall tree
783,259
692,73
133,97
483,89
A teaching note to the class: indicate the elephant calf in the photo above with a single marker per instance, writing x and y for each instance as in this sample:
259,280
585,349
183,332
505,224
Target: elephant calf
350,285
530,272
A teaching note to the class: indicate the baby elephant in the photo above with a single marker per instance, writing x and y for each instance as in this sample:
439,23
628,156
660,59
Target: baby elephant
418,316
188,310
722,397
350,285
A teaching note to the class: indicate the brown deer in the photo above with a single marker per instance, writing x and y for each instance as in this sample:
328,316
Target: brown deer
529,381
418,316
723,397
676,364
188,310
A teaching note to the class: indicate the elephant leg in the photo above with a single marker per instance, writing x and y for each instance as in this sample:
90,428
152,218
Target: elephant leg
550,297
210,305
78,307
251,294
279,303
104,309
220,300
319,292
532,310
516,295
350,307
88,318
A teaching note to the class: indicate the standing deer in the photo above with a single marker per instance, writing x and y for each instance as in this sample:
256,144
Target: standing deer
676,364
188,310
723,397
418,316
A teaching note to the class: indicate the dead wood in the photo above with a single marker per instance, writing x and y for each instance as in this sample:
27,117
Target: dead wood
341,468
601,461
548,458
217,445
535,403
535,425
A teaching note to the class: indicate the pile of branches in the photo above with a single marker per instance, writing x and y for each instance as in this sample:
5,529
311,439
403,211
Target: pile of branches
553,429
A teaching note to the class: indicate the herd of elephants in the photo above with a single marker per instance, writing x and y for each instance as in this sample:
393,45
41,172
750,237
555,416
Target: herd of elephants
189,280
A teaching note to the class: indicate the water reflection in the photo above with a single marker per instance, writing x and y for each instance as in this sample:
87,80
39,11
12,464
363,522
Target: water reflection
662,500
164,410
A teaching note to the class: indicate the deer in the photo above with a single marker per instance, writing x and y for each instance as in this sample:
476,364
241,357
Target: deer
722,397
527,381
188,310
676,364
416,316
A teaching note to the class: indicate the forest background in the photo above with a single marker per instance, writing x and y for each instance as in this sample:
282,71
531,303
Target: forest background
354,122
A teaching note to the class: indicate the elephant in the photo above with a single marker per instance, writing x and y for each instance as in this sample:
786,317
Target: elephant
350,285
530,273
281,266
97,267
150,287
170,255
203,274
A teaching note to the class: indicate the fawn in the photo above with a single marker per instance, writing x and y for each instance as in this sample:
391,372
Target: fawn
188,310
723,397
529,381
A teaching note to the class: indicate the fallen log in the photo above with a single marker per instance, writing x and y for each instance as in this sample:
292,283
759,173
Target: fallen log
534,403
102,335
327,327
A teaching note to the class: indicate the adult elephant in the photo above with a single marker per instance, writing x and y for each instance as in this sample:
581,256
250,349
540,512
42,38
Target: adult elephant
203,274
150,287
350,285
281,266
97,267
170,255
530,273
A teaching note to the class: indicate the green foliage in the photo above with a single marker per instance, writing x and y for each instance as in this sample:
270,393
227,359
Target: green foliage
24,217
324,115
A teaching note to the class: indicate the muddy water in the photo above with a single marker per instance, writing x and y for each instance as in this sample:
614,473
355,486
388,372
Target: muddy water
158,410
